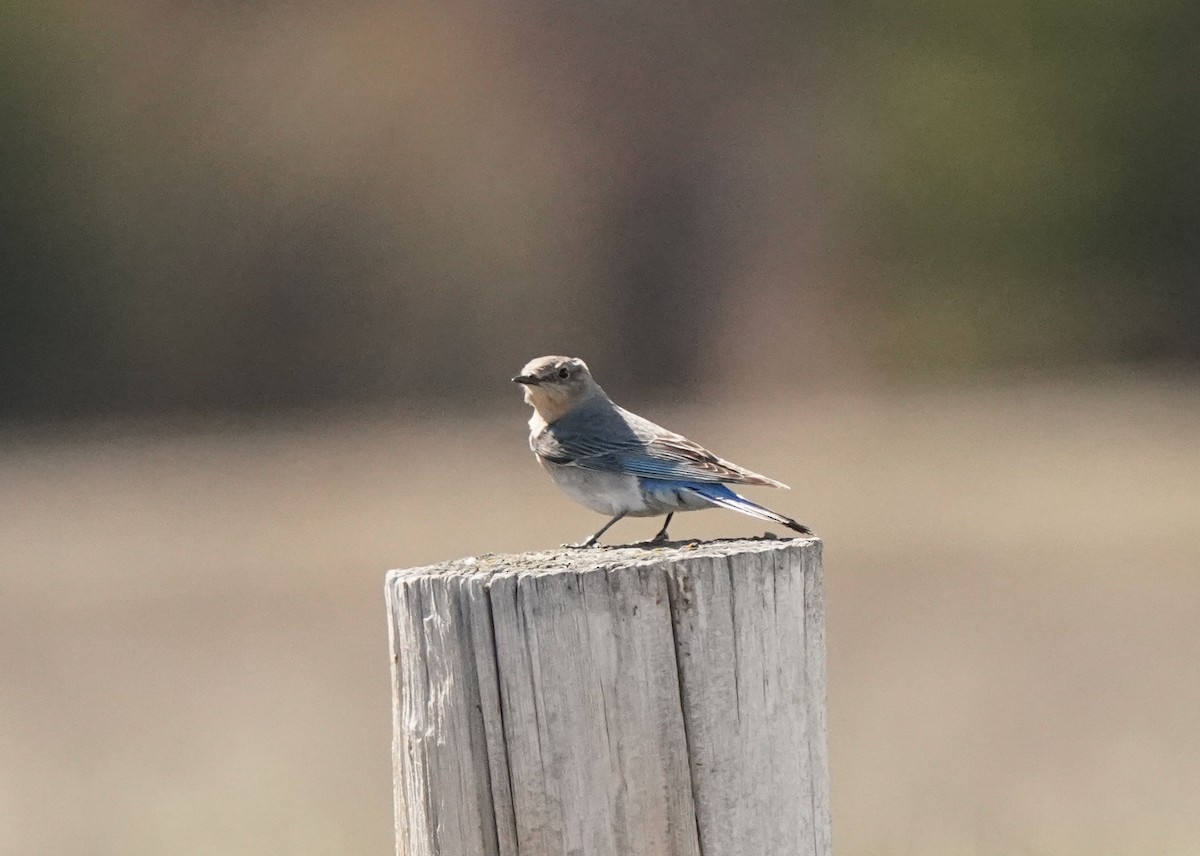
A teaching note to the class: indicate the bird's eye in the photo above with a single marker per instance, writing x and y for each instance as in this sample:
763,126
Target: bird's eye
564,373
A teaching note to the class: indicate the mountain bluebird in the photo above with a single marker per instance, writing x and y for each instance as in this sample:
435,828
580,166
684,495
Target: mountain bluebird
620,464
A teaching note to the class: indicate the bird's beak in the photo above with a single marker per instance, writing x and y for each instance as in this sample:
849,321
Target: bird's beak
528,380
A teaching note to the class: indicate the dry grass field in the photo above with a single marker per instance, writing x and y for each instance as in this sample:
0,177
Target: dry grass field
193,653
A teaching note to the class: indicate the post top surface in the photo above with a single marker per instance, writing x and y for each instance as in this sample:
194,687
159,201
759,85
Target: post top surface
578,560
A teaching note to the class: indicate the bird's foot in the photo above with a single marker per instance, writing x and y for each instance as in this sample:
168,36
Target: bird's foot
582,545
662,537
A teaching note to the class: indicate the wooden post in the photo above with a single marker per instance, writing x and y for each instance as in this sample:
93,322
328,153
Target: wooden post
612,702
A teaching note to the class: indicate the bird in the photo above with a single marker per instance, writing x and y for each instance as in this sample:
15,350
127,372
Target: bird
620,464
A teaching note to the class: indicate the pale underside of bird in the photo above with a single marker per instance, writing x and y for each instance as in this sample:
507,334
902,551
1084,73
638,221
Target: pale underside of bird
617,463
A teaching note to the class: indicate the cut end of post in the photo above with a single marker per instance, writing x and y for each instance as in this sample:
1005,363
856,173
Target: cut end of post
578,559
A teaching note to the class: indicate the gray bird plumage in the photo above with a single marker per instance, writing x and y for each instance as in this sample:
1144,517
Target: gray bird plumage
618,463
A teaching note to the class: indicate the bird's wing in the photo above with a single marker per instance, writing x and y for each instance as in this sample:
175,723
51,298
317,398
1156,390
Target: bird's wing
615,440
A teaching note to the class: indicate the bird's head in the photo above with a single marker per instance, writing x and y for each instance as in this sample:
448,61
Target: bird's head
553,385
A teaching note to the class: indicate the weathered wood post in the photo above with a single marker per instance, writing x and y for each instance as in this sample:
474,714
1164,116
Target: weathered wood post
612,702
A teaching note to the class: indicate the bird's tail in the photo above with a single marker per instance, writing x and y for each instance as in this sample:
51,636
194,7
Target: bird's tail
723,497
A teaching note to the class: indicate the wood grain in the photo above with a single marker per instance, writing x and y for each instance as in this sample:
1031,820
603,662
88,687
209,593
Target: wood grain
624,701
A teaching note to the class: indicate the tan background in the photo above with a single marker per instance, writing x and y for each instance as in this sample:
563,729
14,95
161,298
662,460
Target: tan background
195,653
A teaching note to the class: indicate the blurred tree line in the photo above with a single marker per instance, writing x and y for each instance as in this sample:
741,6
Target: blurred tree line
258,206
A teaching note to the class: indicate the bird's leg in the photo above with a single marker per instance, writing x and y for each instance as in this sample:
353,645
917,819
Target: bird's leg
591,542
661,537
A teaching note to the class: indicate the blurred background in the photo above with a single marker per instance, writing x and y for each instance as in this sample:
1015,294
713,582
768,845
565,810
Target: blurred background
265,271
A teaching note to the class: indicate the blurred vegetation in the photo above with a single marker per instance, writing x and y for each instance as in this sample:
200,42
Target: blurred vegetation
260,206
1032,181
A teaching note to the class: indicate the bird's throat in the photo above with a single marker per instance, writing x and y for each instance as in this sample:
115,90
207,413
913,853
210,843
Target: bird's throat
550,405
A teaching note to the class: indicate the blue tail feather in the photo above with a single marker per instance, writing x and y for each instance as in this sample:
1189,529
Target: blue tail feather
723,497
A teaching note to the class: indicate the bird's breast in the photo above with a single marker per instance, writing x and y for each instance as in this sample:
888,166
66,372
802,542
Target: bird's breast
607,493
